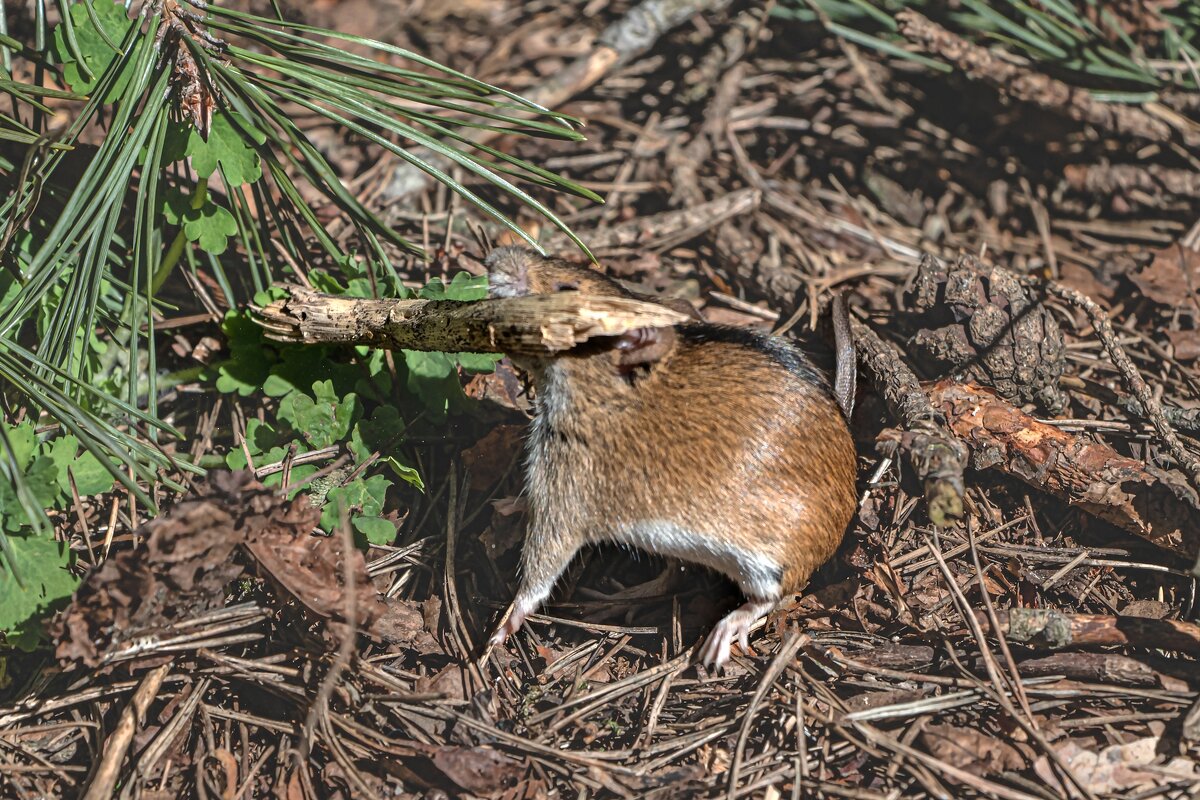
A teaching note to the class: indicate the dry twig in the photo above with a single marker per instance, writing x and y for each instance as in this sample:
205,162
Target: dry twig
133,716
1055,630
620,43
1031,87
1091,475
533,325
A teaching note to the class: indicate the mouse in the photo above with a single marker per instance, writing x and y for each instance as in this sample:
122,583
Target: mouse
714,445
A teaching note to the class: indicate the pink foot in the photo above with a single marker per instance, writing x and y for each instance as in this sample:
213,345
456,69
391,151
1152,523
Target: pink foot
734,626
511,624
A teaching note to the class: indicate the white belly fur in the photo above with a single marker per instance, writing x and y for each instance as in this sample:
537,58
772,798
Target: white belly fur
757,575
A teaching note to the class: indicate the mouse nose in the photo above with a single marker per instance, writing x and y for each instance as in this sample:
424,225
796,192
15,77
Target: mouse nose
503,285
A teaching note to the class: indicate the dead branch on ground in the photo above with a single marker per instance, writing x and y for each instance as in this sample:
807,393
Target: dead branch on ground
1123,491
1039,627
620,43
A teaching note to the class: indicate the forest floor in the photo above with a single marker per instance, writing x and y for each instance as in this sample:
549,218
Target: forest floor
1041,643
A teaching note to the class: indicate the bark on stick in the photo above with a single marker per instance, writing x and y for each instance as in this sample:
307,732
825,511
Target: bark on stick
1055,630
1153,504
532,326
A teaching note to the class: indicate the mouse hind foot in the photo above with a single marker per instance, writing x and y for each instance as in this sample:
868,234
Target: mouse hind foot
735,626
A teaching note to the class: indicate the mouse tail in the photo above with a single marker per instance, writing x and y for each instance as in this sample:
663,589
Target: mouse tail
846,372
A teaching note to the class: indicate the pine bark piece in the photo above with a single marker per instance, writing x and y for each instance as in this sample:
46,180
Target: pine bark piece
1056,630
534,325
1150,503
978,323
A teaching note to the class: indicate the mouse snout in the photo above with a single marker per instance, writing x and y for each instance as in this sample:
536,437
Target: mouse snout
501,284
508,271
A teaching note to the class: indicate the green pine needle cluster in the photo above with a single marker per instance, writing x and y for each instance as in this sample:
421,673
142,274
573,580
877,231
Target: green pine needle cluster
1082,41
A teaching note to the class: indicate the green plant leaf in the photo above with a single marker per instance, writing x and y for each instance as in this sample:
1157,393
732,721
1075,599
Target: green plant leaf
249,361
478,362
404,472
378,386
228,148
43,480
23,443
323,421
98,55
261,436
300,366
463,286
177,140
91,477
433,378
244,374
324,282
364,495
432,366
235,459
210,226
175,205
376,530
46,585
381,433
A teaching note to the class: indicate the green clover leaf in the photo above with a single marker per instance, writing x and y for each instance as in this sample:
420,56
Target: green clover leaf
210,226
91,476
364,495
375,530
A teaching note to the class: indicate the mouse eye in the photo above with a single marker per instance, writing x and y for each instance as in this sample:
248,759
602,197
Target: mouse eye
565,286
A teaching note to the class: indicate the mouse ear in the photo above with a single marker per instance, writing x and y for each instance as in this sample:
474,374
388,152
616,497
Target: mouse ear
644,346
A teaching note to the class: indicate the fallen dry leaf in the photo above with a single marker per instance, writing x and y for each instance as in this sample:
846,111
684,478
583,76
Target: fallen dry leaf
1148,609
189,556
492,457
507,506
1172,278
971,750
1186,344
309,569
502,386
1083,279
507,530
479,770
888,580
180,571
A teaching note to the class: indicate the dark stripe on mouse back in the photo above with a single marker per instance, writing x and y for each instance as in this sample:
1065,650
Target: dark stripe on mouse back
783,353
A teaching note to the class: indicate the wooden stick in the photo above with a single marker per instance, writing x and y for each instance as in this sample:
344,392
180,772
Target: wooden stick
1124,491
1055,630
620,43
533,325
132,716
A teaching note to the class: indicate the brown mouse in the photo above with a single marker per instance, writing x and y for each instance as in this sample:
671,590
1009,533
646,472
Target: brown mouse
714,445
